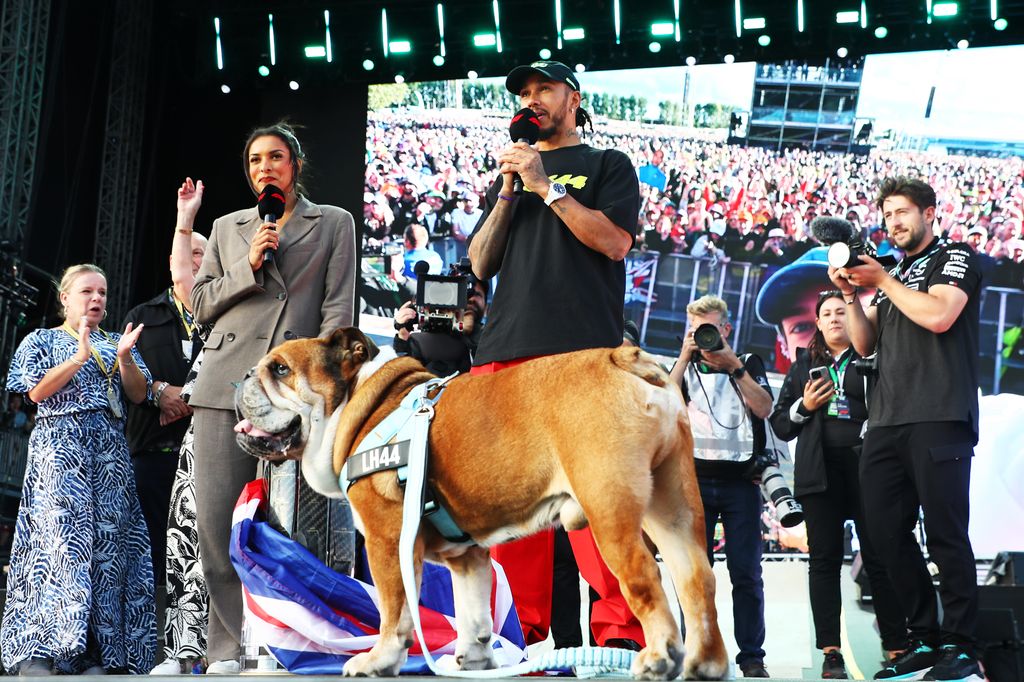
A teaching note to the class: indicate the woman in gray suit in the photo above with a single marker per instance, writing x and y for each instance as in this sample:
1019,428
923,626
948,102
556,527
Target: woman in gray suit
306,290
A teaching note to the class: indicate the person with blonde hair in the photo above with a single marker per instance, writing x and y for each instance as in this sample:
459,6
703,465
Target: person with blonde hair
80,588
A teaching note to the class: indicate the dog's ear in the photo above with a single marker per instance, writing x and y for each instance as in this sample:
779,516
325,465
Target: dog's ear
355,341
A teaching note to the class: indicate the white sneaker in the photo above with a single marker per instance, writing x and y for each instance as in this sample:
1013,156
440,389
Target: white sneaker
170,666
36,667
228,667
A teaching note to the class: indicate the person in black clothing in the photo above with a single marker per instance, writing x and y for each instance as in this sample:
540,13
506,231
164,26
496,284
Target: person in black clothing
923,326
155,429
827,414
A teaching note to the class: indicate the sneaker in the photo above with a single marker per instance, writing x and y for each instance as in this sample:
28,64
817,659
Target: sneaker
170,666
912,664
833,668
228,667
753,669
955,663
36,667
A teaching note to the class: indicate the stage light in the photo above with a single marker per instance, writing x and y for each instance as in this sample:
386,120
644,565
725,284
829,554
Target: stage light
438,60
368,64
754,24
220,51
574,34
327,35
993,7
800,15
690,61
400,46
962,45
655,46
662,28
225,89
580,68
558,22
848,17
384,30
315,51
617,14
544,53
764,40
399,78
739,20
472,75
497,25
440,28
728,59
294,85
263,70
863,14
675,13
842,52
484,40
944,10
1000,24
881,32
270,39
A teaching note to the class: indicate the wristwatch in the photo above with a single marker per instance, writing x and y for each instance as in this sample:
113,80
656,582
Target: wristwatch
555,192
738,373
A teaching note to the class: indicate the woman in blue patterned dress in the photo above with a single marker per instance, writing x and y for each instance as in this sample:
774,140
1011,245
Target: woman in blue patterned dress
80,589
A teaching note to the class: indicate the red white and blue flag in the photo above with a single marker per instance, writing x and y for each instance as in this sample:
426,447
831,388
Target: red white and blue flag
312,619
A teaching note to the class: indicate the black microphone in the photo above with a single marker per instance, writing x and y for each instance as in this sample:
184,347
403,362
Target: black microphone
843,239
828,230
524,128
271,207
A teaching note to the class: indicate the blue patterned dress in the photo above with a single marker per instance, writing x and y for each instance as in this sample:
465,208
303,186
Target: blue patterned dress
80,588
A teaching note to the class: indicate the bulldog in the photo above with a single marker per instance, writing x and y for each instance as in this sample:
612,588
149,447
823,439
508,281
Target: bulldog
598,437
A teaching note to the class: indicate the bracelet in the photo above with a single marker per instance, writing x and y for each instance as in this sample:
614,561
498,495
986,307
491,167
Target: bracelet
502,196
853,296
79,362
182,230
159,392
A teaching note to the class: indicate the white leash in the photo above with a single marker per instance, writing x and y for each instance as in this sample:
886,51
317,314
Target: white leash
588,662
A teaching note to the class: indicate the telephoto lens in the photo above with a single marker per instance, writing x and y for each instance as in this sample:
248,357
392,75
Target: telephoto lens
774,488
707,337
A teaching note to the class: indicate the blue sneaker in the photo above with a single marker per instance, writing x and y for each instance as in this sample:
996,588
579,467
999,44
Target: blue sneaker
955,664
912,664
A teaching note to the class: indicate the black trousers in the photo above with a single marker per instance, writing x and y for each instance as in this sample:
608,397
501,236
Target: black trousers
825,514
926,466
154,476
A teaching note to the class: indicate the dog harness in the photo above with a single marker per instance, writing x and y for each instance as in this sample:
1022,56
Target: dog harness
389,446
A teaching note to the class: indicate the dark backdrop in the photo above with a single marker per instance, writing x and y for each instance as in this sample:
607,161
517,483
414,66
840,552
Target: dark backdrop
190,129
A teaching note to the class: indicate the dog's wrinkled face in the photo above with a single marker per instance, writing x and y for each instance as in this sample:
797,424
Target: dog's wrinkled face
295,387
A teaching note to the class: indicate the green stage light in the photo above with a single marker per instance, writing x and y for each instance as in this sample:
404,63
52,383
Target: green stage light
484,40
655,46
848,17
1000,24
438,60
662,28
881,32
220,50
574,34
263,70
764,41
544,53
270,39
962,44
368,64
944,10
400,46
315,51
754,23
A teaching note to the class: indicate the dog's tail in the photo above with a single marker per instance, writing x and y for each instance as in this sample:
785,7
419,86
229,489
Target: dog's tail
640,364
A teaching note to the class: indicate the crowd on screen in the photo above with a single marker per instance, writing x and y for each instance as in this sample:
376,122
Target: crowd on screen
701,197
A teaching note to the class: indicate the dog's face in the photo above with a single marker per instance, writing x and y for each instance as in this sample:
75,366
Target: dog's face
295,386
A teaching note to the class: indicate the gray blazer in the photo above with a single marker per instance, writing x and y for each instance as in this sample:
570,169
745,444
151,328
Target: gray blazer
307,291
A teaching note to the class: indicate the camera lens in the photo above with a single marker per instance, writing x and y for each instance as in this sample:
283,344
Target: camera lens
707,337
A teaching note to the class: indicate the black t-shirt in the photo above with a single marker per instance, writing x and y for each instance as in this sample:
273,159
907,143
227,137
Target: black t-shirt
924,376
556,294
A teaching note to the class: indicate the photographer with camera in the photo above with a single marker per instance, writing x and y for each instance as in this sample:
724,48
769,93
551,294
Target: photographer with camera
728,401
923,328
823,403
445,343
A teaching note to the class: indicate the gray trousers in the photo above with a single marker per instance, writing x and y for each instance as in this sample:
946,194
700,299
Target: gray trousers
221,469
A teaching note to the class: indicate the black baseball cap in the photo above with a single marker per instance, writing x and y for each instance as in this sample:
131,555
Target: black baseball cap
556,71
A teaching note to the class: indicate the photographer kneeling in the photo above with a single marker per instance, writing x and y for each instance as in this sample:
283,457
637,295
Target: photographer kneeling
449,326
729,399
823,403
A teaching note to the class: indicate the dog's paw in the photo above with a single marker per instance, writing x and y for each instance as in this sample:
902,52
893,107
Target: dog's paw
368,665
694,669
477,656
651,664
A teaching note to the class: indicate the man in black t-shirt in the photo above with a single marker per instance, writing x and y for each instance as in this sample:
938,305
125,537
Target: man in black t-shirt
560,249
923,425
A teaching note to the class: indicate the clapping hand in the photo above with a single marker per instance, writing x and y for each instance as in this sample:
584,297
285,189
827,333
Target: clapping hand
128,340
84,347
190,197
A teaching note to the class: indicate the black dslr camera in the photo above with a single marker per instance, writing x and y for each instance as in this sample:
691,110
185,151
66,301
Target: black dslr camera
441,299
867,367
774,489
844,243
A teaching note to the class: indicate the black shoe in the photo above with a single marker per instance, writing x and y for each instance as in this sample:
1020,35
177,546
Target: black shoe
623,643
754,669
833,668
955,663
912,664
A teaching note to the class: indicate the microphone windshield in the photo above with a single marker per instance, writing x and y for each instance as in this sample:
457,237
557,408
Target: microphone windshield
524,126
271,201
829,229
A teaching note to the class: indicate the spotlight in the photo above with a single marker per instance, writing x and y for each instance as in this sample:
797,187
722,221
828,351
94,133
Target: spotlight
438,60
962,45
728,59
764,41
368,64
294,85
472,75
999,24
842,52
225,89
690,61
263,70
655,46
545,53
399,78
881,32
580,68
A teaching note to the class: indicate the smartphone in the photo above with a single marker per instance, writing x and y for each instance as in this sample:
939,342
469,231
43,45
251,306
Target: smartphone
818,373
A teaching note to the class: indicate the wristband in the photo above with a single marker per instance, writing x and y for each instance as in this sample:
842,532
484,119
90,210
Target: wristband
182,230
159,392
502,196
853,296
79,362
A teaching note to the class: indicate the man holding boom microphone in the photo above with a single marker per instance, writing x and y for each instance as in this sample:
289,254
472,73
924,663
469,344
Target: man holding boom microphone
558,244
923,327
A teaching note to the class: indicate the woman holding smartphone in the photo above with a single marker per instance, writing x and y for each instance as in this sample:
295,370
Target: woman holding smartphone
822,401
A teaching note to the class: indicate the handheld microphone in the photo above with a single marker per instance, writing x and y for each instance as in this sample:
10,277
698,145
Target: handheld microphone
844,243
271,207
828,230
524,128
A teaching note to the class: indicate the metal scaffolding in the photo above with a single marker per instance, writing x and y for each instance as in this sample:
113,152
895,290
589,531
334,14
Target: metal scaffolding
122,150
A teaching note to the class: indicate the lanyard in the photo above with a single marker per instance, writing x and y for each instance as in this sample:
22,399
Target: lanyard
95,353
838,373
186,318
